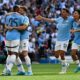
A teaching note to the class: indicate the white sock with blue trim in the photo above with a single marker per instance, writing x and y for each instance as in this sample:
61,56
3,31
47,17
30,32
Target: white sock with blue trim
7,60
19,65
10,62
28,63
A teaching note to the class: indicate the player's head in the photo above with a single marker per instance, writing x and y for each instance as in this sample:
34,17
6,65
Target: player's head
16,8
76,14
22,10
64,12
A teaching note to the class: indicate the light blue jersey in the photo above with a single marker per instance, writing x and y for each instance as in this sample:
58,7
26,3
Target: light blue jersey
76,34
64,27
25,33
13,20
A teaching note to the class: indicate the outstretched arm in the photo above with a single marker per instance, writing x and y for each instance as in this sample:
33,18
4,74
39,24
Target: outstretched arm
78,30
39,17
74,30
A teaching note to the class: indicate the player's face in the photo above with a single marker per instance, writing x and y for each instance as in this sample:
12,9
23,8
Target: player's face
64,14
21,11
76,15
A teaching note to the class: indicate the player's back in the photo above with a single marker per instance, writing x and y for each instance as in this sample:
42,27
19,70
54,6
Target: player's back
13,20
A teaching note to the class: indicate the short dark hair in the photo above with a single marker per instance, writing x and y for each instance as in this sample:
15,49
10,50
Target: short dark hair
16,8
78,10
66,10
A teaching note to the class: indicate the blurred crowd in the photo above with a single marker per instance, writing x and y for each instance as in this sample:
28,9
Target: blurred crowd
42,34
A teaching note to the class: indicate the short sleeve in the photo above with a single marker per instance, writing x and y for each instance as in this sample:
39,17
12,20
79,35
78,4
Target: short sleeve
26,21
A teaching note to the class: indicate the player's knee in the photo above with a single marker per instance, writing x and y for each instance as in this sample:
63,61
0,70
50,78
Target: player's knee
62,55
24,53
57,54
10,52
73,52
62,58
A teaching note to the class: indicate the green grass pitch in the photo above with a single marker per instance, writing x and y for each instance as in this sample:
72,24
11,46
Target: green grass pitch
43,72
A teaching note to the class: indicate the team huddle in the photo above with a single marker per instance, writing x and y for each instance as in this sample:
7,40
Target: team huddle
17,39
16,24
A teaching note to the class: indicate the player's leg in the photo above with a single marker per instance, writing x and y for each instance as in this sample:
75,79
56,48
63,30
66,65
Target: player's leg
24,50
64,63
20,67
74,52
18,62
60,55
12,47
78,54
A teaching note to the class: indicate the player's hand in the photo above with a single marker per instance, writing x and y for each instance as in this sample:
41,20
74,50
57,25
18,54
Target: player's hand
72,31
39,17
9,28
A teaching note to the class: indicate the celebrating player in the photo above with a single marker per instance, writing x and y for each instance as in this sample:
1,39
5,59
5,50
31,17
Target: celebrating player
76,41
24,43
64,24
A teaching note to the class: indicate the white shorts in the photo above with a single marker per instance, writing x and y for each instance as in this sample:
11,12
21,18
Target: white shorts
75,46
61,45
24,45
13,45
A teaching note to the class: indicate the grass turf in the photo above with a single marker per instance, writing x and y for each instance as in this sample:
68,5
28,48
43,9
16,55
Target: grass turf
43,72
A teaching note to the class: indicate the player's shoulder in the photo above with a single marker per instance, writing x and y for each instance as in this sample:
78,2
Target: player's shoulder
26,17
70,18
58,19
19,16
10,14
